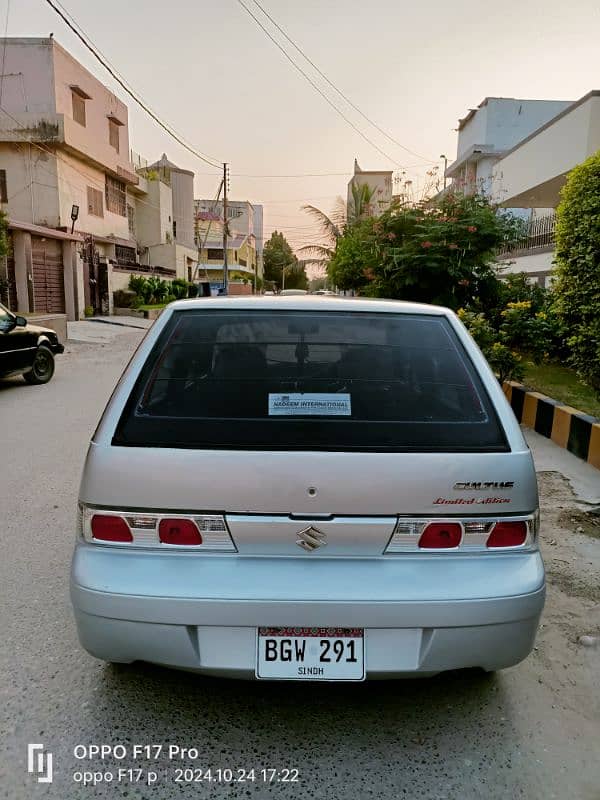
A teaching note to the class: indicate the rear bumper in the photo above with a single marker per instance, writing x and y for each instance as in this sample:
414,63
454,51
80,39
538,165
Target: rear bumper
202,613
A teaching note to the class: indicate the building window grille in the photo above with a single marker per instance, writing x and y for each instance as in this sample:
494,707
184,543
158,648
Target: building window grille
116,196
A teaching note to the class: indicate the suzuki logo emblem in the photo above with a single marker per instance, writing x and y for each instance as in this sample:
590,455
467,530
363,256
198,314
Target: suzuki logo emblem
311,538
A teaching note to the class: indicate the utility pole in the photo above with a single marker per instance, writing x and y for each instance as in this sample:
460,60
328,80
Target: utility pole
225,275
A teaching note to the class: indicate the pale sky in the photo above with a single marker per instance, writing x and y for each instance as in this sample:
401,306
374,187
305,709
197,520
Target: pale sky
414,68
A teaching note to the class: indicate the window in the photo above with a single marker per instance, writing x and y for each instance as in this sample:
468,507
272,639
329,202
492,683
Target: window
113,134
174,229
388,382
131,219
125,255
116,196
94,201
78,108
3,189
215,254
243,262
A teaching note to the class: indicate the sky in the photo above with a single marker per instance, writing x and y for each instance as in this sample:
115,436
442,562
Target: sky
413,68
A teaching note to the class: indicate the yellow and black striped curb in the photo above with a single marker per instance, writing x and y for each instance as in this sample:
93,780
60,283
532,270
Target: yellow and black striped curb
567,427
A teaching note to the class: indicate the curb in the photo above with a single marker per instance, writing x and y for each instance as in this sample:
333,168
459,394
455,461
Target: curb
120,324
567,427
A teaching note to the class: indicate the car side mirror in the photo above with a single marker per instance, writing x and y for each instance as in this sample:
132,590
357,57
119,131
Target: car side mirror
20,322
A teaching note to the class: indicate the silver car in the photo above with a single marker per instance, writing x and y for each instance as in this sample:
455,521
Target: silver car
309,489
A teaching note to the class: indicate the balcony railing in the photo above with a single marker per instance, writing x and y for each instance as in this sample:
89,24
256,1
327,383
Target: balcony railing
539,236
149,270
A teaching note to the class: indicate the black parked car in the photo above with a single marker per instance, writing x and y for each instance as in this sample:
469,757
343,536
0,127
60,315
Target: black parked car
26,349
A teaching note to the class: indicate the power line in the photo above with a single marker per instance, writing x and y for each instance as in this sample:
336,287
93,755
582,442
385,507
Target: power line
69,20
314,85
4,49
88,178
339,91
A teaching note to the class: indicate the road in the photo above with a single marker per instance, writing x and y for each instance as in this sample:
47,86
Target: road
529,732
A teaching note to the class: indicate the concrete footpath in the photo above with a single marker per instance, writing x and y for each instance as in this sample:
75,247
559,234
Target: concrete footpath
102,330
549,457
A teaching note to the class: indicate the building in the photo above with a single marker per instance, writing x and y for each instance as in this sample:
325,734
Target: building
245,244
531,174
376,198
487,132
162,217
85,212
64,153
519,153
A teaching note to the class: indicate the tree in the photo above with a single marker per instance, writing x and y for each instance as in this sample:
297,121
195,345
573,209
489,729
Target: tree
351,265
436,253
332,228
280,264
577,285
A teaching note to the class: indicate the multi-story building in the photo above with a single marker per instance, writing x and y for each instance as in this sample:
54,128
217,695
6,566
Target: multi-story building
82,216
487,132
531,174
64,153
376,199
163,217
244,251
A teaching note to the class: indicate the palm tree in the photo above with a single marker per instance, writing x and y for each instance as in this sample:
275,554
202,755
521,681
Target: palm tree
333,226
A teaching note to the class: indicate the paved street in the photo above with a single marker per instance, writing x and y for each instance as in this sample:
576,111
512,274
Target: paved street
529,732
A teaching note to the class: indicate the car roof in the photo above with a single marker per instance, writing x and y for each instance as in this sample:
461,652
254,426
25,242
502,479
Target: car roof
309,303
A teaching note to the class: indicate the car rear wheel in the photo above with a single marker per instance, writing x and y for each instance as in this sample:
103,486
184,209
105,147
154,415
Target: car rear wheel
43,366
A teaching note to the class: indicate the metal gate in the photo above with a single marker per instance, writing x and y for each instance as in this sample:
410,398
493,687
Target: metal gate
48,276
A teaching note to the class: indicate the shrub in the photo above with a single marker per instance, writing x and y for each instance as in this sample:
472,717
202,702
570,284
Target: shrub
179,288
192,290
170,298
502,359
88,311
124,298
577,286
507,364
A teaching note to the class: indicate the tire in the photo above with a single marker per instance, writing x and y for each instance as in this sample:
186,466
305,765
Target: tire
43,366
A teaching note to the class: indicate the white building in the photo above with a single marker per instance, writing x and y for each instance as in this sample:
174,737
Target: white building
379,183
487,132
519,153
531,174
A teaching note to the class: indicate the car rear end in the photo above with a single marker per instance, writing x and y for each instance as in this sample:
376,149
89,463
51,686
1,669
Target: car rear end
309,489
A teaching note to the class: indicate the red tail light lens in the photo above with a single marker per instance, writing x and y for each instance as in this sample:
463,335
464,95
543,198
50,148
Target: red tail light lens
441,535
110,528
179,531
508,534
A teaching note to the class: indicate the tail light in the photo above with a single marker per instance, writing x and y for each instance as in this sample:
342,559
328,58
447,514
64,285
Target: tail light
152,529
441,535
464,535
508,534
110,528
179,531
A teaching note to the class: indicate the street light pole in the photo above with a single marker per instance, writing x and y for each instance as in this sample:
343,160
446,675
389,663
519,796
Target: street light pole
445,159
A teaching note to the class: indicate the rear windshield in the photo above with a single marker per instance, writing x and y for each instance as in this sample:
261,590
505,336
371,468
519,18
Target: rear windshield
281,380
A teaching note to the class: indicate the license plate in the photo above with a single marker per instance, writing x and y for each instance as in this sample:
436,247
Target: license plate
312,654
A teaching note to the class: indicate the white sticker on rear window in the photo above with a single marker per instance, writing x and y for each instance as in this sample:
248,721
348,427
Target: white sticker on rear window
309,404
